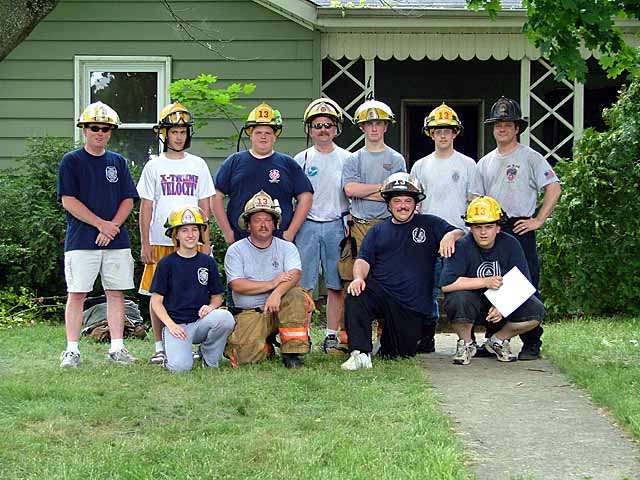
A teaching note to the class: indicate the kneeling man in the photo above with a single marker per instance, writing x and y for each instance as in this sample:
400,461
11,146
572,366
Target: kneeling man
393,274
263,272
186,292
481,258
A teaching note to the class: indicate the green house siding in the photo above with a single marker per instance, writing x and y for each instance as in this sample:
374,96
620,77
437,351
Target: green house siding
281,57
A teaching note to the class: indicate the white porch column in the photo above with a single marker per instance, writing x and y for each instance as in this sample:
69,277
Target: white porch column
525,96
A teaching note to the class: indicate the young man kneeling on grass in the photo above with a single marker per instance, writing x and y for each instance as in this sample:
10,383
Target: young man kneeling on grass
480,260
186,293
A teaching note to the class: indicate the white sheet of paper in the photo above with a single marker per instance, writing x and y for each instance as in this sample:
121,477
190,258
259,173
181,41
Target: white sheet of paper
515,290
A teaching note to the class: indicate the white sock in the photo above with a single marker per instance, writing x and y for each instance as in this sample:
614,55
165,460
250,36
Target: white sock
72,347
331,332
159,346
116,344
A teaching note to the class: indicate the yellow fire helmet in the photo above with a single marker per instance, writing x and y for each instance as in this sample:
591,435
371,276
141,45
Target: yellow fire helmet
99,112
260,202
402,184
264,114
323,107
185,215
174,115
373,110
442,117
484,210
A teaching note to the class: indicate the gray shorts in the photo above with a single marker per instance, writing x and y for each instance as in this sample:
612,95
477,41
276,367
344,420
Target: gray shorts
81,268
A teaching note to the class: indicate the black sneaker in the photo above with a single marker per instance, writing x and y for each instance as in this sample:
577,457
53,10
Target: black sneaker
482,352
291,360
529,352
426,345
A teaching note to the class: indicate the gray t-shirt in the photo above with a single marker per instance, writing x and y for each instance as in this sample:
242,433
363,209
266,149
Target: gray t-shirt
514,179
324,171
244,260
447,183
368,167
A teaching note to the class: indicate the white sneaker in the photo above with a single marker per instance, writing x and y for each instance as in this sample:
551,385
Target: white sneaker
501,349
69,359
121,356
357,360
464,352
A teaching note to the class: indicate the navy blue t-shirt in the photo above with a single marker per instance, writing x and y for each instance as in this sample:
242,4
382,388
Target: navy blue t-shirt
242,175
402,258
471,261
101,184
186,284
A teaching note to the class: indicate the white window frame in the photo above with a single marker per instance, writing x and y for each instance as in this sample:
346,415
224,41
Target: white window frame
83,65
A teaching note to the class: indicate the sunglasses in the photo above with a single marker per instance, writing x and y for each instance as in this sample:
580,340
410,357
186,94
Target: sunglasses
96,129
318,126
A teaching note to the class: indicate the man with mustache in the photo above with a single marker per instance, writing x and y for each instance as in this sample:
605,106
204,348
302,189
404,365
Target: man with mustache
446,176
393,275
263,272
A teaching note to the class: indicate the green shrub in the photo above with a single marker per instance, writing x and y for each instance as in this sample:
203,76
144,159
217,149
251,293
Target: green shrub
22,307
590,248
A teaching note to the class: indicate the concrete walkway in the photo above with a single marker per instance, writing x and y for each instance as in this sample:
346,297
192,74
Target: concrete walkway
524,420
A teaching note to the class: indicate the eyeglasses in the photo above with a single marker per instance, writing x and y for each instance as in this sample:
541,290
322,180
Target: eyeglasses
318,126
96,129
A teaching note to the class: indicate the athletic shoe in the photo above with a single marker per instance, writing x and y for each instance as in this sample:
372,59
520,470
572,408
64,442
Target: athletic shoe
501,349
121,356
357,361
426,345
158,358
330,343
69,359
529,352
464,352
482,352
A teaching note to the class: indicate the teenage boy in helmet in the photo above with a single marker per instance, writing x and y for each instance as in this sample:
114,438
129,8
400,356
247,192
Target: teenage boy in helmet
261,168
263,272
172,179
514,175
97,191
393,275
364,173
446,175
187,293
481,259
319,237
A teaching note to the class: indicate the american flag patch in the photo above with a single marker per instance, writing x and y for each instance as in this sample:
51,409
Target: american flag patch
549,174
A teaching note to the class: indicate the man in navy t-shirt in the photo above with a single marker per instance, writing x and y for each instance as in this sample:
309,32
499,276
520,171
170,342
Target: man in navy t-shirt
480,261
97,191
393,275
186,293
261,168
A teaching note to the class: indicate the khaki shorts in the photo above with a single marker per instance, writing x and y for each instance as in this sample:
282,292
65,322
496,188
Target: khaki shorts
81,268
159,252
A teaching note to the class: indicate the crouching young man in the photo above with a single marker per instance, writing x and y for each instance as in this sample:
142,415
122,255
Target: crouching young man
186,293
481,258
263,272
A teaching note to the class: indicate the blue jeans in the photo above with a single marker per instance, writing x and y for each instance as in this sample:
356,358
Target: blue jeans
210,332
319,243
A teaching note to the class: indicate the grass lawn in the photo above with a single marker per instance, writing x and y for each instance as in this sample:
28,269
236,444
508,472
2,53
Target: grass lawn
603,356
259,422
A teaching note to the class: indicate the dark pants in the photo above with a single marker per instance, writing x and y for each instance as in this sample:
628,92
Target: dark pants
528,242
471,306
401,326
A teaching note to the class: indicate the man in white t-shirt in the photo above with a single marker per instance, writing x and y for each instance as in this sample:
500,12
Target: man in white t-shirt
514,175
319,237
173,178
263,272
446,176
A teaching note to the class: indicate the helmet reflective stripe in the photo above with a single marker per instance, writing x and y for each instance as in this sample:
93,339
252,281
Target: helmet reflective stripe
484,210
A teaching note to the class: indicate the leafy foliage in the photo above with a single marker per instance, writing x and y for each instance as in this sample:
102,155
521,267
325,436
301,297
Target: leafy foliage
206,101
22,307
560,28
590,247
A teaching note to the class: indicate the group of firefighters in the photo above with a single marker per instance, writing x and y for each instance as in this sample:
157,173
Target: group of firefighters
386,241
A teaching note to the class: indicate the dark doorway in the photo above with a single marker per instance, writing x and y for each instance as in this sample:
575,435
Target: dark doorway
417,145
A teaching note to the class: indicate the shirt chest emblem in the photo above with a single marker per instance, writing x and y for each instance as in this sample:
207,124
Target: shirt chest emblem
512,172
203,275
274,175
111,173
313,171
419,235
